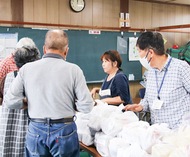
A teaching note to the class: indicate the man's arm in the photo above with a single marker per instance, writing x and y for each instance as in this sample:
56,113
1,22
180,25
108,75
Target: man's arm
185,76
84,101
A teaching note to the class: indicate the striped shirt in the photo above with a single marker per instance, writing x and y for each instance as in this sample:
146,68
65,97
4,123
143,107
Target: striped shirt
175,93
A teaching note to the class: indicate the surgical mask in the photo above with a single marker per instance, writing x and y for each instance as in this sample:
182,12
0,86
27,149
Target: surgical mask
145,63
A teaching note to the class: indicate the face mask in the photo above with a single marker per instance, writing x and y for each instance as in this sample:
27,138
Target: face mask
144,62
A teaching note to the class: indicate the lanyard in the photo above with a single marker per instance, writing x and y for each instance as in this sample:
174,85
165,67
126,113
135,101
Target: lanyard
111,80
159,88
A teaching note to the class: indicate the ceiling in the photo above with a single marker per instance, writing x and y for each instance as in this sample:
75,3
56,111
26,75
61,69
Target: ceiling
177,2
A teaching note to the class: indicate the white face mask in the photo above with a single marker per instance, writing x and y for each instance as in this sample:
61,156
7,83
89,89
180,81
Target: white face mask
144,62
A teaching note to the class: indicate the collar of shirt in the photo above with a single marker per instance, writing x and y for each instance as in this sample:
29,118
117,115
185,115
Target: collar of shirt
165,65
52,55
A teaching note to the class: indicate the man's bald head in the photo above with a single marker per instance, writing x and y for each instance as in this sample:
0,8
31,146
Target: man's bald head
56,40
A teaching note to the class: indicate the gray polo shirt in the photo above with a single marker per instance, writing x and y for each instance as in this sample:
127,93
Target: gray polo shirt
52,86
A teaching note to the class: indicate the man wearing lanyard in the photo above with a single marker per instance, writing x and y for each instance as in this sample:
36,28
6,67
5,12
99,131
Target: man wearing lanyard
53,88
167,96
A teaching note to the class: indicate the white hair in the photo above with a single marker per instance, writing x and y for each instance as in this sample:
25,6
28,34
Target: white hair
25,42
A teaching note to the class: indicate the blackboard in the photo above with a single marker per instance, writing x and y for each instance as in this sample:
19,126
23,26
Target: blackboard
85,50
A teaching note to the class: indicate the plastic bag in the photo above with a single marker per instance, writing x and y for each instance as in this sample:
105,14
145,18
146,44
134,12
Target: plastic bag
115,144
116,121
162,150
84,133
132,151
101,142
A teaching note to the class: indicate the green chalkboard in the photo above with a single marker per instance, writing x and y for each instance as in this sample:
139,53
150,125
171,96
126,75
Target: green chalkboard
85,50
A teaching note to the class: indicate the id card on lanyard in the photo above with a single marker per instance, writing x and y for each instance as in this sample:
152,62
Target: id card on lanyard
107,91
157,103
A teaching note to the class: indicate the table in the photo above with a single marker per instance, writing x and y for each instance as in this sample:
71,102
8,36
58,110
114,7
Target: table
90,149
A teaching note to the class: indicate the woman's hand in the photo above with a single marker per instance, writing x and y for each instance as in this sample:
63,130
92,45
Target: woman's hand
94,91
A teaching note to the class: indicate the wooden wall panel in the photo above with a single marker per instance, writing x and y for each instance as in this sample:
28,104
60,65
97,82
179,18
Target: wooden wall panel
17,10
5,10
147,13
186,15
178,15
40,11
76,18
157,10
52,11
170,16
162,18
136,10
115,13
160,15
107,13
110,15
87,17
28,10
97,12
64,12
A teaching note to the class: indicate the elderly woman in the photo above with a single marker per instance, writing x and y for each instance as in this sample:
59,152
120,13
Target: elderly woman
13,122
115,88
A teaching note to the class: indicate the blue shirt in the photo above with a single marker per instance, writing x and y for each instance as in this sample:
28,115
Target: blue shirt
118,86
175,93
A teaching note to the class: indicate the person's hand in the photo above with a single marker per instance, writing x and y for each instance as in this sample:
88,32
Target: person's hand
25,104
133,107
93,92
99,102
1,101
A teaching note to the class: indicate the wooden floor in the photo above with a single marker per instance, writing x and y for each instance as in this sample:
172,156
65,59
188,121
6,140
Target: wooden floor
90,149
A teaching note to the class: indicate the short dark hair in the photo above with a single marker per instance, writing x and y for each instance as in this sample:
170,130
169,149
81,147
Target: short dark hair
152,40
26,54
113,56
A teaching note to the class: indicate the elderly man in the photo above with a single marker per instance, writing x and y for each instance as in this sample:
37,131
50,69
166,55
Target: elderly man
53,88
